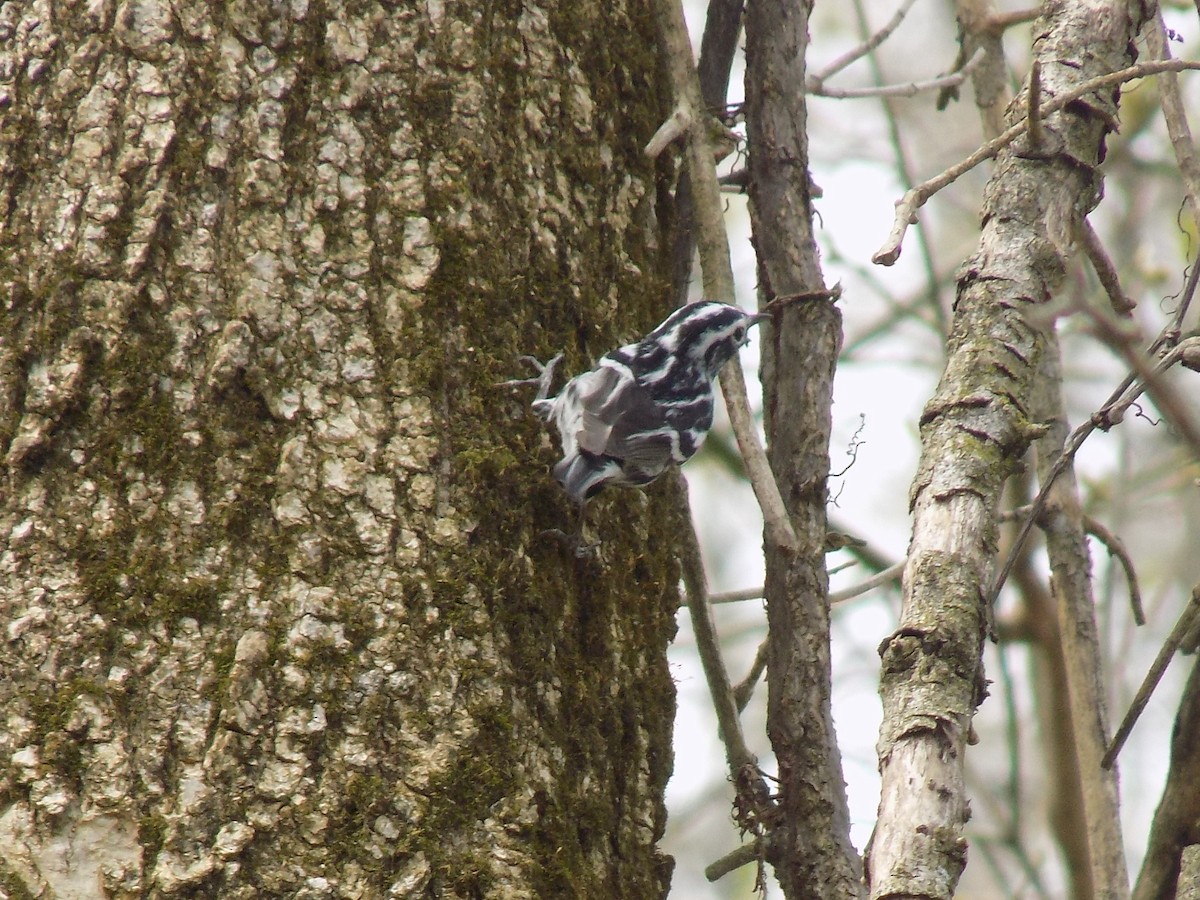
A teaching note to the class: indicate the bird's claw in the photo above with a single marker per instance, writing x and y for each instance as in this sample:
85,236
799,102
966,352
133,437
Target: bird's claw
573,542
544,377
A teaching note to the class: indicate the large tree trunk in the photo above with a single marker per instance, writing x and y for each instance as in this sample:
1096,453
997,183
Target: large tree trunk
279,618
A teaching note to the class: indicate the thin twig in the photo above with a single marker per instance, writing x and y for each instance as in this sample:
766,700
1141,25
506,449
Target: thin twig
815,80
906,89
1176,118
715,267
675,127
1113,544
916,197
742,856
1112,412
1000,21
842,567
737,753
754,593
904,171
1116,547
891,573
1121,302
745,688
1186,620
1168,337
1163,393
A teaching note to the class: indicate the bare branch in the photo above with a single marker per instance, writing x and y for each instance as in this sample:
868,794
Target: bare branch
745,688
990,82
816,79
1121,302
1116,547
742,856
1189,616
1105,417
809,847
1168,871
1176,118
1078,634
754,593
916,197
675,127
974,430
1003,20
737,753
907,89
775,518
1066,814
891,573
715,266
718,46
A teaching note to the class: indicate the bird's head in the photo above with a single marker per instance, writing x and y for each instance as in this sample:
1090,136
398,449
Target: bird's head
708,334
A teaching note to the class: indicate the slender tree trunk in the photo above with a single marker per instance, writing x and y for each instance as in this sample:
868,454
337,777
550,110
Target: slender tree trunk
810,847
974,432
279,617
1175,831
1078,636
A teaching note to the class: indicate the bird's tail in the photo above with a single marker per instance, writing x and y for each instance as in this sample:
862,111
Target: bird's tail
582,475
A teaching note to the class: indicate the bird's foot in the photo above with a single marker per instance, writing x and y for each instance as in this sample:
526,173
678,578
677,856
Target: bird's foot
581,548
542,380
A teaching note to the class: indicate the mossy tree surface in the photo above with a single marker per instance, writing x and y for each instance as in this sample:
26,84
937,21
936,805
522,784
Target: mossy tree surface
279,618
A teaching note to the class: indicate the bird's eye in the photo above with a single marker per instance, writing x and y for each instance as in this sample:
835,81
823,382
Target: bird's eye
739,333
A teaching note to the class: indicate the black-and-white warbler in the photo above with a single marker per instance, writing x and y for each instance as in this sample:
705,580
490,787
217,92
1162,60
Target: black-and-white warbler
645,406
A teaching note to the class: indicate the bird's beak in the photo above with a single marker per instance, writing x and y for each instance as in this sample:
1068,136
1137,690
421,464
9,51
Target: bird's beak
751,321
758,317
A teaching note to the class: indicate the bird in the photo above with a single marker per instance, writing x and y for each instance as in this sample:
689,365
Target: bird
645,406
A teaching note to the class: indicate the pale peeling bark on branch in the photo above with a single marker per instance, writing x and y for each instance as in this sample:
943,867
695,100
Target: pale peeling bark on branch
278,621
974,431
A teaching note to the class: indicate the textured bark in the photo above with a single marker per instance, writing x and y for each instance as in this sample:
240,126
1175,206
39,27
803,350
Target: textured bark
279,620
1176,826
810,847
1057,746
1078,637
974,432
990,79
718,46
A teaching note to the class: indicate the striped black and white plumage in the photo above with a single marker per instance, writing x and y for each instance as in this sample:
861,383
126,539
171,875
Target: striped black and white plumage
646,405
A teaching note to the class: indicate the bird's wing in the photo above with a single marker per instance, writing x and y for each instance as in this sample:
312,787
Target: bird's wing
622,421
